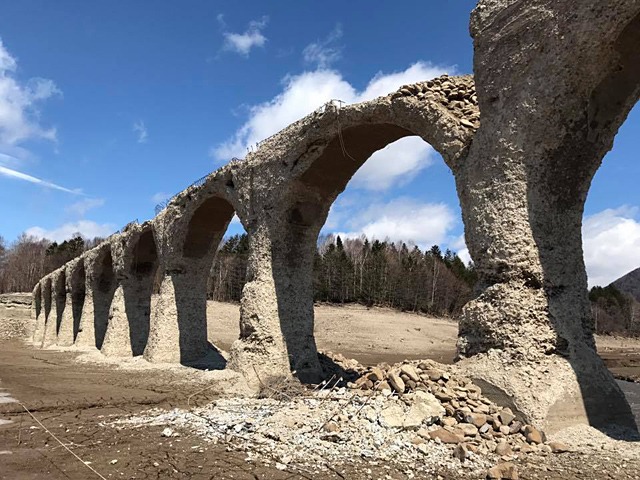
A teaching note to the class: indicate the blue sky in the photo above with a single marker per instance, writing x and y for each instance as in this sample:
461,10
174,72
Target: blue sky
107,108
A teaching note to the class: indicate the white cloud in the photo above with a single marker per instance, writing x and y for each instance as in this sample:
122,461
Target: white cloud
611,243
459,246
305,92
11,173
242,43
401,219
81,207
19,115
86,228
324,52
390,166
140,130
160,197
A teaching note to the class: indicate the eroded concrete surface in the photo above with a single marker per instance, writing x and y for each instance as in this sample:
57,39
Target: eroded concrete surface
553,82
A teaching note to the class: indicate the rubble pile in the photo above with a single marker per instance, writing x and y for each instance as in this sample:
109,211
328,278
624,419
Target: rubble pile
456,94
414,416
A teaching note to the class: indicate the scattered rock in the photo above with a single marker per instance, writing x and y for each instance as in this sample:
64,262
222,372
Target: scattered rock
396,382
503,448
477,419
532,434
461,452
445,436
503,471
506,416
558,447
410,372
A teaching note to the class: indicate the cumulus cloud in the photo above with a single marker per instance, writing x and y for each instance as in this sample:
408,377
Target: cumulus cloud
81,207
401,219
140,130
19,114
242,43
86,228
11,173
389,167
611,242
304,93
325,52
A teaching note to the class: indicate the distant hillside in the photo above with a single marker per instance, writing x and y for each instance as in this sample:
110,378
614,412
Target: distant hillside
629,283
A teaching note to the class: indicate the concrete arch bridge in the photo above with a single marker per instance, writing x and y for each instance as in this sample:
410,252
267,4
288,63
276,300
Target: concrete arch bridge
551,105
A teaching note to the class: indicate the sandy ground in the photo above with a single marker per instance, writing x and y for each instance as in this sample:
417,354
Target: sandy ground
73,399
373,335
364,333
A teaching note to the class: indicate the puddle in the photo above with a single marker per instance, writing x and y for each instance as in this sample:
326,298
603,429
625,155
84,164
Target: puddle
5,422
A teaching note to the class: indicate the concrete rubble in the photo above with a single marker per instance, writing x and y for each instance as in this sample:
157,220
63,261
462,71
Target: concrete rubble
416,417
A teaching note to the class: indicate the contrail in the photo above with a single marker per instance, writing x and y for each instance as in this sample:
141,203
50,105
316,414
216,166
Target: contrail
8,172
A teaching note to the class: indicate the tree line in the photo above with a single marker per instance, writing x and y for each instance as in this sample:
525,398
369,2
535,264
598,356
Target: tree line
24,262
358,270
614,312
355,270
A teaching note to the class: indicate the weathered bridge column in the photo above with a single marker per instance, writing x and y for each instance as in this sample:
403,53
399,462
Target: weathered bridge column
100,286
261,351
188,241
134,262
555,80
37,314
75,293
58,302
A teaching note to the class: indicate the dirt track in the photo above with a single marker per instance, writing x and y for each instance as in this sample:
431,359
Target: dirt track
72,399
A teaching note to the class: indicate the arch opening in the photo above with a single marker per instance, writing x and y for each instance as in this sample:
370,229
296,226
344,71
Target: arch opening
145,255
78,293
47,301
37,300
60,290
310,199
208,223
138,293
197,319
333,169
103,295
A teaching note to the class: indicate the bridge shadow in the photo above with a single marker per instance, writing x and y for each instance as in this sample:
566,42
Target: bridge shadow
212,360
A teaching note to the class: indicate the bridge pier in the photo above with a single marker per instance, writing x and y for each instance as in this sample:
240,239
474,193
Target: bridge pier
523,201
100,286
261,351
58,302
74,300
187,245
134,264
37,315
178,332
